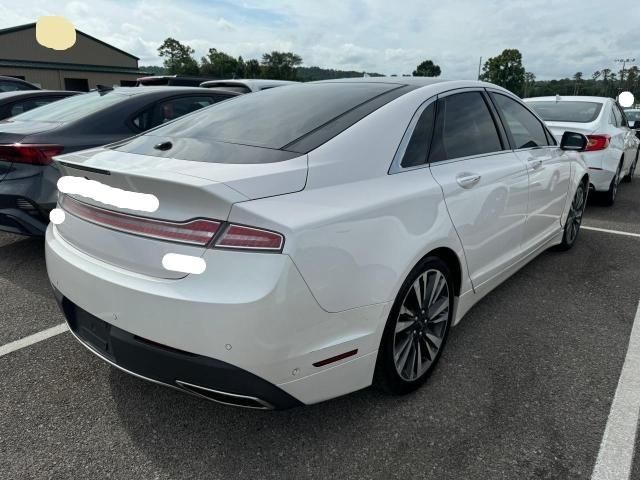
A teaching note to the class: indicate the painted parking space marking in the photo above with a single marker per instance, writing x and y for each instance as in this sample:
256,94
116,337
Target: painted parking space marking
615,232
31,339
618,442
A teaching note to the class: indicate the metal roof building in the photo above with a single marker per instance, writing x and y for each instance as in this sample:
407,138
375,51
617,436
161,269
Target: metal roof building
83,66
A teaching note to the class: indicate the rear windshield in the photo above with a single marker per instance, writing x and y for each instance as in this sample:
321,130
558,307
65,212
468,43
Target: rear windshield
273,118
72,108
567,111
632,115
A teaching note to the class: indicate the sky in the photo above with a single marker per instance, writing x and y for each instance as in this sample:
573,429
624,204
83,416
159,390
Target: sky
557,38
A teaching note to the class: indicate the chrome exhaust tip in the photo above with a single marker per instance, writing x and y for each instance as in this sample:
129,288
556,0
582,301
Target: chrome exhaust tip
225,398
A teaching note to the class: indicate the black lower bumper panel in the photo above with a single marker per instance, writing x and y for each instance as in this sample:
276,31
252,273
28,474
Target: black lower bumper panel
195,374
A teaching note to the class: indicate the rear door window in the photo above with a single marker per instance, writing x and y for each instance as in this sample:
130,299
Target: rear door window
464,128
525,129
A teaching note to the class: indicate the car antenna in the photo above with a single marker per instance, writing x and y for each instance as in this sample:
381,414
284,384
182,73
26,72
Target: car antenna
103,89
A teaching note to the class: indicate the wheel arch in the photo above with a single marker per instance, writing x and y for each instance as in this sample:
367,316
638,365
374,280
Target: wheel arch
450,257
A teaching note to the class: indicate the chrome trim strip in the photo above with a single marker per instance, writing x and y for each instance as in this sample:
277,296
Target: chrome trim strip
187,386
267,406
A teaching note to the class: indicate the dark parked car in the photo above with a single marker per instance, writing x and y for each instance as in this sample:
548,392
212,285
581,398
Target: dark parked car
10,84
20,101
29,141
171,80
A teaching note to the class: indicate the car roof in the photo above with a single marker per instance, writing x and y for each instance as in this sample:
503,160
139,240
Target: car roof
161,89
18,80
34,93
572,98
252,83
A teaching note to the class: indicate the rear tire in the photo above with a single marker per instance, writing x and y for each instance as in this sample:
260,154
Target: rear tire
417,328
574,218
609,197
632,169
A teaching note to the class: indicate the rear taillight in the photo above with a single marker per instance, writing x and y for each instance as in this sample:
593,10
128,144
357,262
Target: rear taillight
194,232
597,142
29,153
250,238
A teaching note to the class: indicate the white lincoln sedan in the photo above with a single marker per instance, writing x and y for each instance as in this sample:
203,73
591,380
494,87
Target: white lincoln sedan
612,152
304,242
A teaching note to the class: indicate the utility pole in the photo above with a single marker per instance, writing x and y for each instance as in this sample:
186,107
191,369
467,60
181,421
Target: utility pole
479,67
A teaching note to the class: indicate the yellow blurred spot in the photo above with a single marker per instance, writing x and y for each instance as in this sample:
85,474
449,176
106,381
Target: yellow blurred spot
55,32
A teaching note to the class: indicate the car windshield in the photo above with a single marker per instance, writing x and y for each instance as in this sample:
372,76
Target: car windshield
567,111
275,117
72,108
632,115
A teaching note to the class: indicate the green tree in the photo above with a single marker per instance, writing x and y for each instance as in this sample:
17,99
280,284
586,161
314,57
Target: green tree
505,70
280,65
218,65
427,69
596,75
529,83
178,58
252,69
577,78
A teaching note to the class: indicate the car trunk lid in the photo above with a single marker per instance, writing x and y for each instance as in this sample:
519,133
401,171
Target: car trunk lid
185,191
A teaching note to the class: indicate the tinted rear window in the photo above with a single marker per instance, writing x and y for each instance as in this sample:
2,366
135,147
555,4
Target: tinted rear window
276,117
72,108
567,111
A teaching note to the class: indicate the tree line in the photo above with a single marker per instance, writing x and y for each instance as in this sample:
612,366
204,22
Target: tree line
505,69
179,59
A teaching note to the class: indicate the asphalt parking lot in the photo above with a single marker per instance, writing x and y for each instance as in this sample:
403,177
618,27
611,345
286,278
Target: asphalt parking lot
524,388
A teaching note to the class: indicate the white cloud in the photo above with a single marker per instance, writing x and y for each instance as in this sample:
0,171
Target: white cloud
556,38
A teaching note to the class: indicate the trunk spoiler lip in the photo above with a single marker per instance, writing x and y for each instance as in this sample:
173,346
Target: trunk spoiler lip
84,167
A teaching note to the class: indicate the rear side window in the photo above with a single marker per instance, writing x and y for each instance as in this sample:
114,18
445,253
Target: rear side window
73,108
26,105
526,130
617,115
276,117
464,127
418,146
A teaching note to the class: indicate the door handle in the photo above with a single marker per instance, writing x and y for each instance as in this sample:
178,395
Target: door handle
468,180
535,164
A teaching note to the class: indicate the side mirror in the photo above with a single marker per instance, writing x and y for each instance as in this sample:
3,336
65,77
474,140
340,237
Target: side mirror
573,141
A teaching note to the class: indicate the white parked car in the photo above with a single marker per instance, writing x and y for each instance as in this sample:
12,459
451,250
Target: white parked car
612,153
307,241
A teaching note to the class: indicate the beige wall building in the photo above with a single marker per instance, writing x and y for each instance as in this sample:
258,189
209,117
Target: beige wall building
88,63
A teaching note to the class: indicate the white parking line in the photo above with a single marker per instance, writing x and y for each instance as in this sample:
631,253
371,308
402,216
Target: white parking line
31,339
616,232
616,450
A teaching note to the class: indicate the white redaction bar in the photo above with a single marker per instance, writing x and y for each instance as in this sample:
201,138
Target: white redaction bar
144,202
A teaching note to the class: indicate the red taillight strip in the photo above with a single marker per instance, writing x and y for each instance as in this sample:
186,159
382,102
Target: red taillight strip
195,232
250,238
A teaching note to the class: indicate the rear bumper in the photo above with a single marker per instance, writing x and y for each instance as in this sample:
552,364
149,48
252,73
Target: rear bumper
195,374
600,180
20,215
248,311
